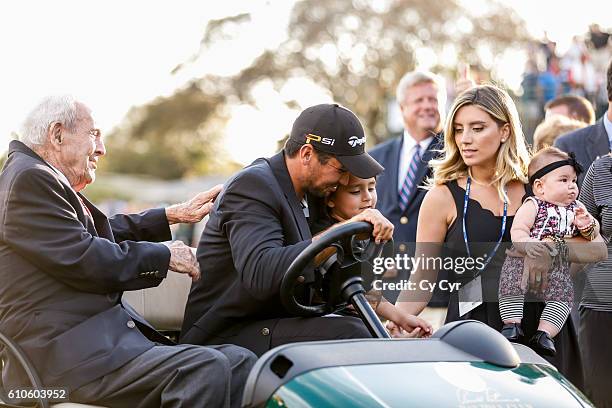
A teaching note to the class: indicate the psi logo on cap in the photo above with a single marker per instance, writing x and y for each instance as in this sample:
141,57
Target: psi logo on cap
356,141
323,140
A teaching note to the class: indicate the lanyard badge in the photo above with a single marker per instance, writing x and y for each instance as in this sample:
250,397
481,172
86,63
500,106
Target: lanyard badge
470,294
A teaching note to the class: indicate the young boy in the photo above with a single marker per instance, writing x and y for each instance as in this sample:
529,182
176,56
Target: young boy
347,201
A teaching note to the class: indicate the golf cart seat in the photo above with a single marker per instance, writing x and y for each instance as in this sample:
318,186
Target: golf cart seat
163,306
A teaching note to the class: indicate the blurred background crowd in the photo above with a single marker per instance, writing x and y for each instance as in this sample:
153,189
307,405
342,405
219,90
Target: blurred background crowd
181,115
580,70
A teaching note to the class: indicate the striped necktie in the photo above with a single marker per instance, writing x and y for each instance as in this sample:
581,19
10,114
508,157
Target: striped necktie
408,188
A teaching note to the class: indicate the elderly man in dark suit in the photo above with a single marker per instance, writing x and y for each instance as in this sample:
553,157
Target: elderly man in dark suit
421,96
259,226
64,266
593,141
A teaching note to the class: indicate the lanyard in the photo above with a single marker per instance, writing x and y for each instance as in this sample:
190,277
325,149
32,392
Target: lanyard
465,237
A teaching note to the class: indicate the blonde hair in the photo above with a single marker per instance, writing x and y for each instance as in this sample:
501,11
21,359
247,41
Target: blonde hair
413,78
512,156
553,127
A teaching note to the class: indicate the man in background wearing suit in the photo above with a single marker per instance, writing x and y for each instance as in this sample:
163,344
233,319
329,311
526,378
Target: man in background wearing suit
593,141
64,266
421,97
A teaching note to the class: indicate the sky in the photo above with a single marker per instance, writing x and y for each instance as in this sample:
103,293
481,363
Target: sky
116,54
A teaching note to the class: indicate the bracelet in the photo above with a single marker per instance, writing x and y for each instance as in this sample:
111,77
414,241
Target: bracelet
588,232
380,298
374,296
562,250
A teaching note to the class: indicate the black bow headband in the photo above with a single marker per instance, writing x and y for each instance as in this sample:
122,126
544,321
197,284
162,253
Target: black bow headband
555,165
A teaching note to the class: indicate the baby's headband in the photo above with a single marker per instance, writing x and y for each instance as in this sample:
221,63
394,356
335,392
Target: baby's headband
555,165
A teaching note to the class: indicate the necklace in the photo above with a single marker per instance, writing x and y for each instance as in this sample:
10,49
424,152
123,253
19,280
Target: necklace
476,181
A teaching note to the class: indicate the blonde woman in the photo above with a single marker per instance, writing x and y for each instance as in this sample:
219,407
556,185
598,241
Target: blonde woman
550,129
477,187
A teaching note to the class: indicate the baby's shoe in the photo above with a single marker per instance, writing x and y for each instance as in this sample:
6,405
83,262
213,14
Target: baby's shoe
513,332
542,344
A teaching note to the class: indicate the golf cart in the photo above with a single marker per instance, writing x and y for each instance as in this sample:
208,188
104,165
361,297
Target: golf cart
465,364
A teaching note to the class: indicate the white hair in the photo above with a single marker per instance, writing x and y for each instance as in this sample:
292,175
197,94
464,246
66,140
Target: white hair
420,77
56,108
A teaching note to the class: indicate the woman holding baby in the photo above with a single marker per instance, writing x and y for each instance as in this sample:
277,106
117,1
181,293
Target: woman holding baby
483,174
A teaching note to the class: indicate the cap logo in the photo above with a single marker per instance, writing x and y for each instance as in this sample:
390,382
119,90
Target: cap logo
323,140
356,141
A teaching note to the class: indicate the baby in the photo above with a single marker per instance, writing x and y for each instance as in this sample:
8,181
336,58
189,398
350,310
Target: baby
539,226
347,201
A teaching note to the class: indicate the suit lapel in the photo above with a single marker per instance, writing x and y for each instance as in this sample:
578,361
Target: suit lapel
279,168
395,152
100,224
597,143
423,169
77,201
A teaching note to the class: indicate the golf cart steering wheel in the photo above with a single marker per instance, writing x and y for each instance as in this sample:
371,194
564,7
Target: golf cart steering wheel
350,250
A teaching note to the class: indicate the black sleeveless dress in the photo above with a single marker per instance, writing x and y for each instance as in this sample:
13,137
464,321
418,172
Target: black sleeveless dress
483,230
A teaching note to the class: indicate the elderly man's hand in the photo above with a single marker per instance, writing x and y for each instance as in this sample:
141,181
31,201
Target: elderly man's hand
195,209
383,228
183,260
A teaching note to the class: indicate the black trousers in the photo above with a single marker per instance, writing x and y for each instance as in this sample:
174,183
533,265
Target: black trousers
264,335
174,377
595,337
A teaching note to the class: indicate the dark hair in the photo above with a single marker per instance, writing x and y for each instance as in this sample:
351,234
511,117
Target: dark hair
579,108
544,157
292,148
610,82
321,213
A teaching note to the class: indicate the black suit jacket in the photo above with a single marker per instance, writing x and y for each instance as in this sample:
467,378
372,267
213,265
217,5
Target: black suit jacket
63,274
256,229
587,143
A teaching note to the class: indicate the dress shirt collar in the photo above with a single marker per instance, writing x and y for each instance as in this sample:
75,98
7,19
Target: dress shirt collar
304,204
60,174
409,142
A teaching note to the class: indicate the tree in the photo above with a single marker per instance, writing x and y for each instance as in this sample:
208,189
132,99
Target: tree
359,49
170,137
356,49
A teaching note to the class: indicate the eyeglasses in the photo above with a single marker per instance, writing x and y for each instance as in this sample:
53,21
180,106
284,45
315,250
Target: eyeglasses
340,170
